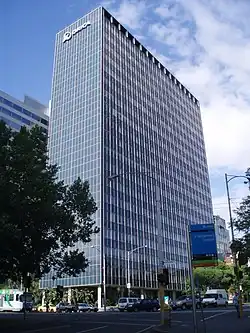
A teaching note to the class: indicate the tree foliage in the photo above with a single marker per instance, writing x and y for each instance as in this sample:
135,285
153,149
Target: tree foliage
242,224
41,218
80,295
221,276
51,296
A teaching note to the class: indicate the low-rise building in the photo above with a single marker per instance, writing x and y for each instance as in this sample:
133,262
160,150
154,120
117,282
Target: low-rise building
222,237
28,112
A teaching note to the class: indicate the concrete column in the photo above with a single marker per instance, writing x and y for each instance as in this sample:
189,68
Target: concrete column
122,291
99,297
43,298
69,295
174,295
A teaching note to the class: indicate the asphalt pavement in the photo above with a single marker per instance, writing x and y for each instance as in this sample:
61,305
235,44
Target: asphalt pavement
216,320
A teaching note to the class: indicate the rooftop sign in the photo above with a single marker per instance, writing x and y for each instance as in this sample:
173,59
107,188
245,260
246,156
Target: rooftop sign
68,35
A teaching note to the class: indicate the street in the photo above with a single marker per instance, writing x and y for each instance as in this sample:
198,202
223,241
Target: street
216,320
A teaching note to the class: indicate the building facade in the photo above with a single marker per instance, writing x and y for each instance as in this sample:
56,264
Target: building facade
222,237
28,113
116,110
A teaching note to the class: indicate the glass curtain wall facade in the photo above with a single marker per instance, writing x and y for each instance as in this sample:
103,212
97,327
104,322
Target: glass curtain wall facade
28,113
116,110
75,137
152,125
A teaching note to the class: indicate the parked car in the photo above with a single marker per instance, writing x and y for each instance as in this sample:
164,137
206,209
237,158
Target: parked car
85,307
185,302
65,307
124,302
144,305
215,297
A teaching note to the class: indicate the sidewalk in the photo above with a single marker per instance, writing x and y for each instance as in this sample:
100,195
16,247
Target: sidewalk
221,324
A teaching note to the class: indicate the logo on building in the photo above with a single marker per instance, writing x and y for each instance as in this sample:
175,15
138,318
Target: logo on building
68,35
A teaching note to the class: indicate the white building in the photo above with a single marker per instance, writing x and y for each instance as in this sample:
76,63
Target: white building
28,112
222,236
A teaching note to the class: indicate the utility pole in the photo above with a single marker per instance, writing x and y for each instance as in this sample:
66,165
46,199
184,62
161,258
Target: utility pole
103,276
130,253
229,208
228,178
129,284
191,276
160,250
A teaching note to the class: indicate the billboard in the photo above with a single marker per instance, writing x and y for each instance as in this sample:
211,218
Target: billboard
203,245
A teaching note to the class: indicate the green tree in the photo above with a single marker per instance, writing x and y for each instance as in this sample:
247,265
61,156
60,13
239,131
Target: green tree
36,291
242,224
41,218
221,276
51,297
80,295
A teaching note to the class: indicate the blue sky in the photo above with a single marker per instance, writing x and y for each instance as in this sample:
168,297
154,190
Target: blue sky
206,45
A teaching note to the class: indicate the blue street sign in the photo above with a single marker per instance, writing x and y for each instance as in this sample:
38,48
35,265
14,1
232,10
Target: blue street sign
203,244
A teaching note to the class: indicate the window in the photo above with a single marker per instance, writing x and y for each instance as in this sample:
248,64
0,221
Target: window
44,121
9,298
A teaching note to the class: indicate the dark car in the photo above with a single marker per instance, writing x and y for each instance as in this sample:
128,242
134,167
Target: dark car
185,302
144,305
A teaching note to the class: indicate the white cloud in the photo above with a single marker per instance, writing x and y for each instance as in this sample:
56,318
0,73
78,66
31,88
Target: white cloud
215,66
220,203
131,13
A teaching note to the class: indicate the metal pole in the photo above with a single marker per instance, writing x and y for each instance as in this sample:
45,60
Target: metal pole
160,249
104,283
192,282
229,208
25,301
233,252
128,274
159,228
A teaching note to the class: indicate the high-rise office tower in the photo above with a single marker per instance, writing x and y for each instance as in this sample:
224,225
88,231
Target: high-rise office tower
116,110
28,113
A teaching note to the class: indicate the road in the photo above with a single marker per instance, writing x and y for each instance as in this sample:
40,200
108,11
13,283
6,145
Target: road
216,320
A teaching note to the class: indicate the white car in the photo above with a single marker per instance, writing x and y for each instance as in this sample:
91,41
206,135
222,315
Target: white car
215,297
84,307
124,302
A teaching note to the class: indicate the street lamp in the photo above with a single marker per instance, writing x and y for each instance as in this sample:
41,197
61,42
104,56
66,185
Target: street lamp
103,276
228,178
129,253
152,175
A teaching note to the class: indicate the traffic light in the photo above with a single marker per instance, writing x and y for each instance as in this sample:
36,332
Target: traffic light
59,291
27,281
163,278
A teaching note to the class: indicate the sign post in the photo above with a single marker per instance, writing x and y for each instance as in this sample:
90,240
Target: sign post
204,247
202,252
191,276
